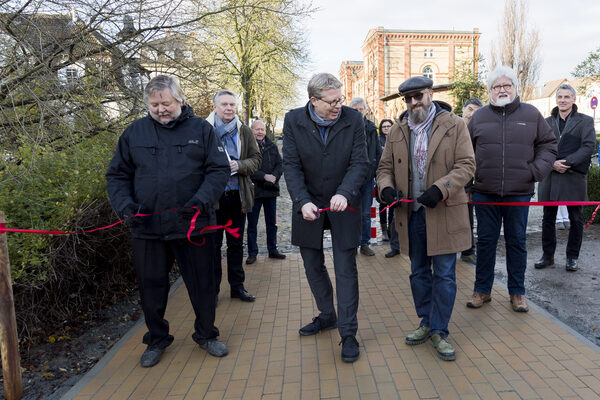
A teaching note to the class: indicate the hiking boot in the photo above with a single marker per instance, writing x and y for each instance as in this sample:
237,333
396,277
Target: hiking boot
214,347
571,264
420,335
151,356
350,350
317,325
365,250
518,302
478,299
444,350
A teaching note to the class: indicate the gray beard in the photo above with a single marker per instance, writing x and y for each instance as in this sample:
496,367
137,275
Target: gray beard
501,102
419,116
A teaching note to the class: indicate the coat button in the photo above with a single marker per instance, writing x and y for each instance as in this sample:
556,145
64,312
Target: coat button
399,161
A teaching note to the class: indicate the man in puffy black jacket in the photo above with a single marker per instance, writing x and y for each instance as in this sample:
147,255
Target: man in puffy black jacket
170,163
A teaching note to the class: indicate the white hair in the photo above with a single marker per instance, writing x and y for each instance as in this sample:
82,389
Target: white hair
499,72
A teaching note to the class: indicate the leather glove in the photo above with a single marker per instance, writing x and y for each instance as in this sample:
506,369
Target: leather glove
389,195
129,212
431,197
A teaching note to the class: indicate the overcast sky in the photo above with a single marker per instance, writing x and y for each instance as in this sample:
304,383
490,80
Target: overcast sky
569,30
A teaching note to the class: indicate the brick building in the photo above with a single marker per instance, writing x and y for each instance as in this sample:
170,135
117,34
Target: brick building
391,56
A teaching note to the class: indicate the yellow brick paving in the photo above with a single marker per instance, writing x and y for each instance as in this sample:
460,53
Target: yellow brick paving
500,354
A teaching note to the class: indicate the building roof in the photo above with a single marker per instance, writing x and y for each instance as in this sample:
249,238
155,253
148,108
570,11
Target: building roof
381,29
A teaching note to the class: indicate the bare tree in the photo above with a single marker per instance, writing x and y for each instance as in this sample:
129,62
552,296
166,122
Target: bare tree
517,45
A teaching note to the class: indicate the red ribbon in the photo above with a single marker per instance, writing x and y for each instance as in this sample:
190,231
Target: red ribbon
520,203
232,231
329,209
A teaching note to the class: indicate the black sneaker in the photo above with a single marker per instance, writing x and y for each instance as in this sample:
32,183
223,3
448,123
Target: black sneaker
350,350
317,325
151,356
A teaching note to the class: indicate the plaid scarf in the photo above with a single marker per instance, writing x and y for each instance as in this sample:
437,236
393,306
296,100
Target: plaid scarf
421,139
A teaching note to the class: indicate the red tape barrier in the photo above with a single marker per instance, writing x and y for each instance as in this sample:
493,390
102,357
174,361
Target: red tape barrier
521,203
232,231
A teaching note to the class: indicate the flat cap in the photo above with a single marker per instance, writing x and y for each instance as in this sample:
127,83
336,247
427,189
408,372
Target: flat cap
415,84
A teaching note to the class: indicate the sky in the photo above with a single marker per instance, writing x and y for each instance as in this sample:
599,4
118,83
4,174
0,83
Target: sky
569,30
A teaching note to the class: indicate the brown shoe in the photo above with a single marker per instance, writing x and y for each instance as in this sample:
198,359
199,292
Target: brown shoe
478,299
518,302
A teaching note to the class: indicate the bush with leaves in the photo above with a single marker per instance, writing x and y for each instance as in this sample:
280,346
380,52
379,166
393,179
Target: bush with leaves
593,193
58,278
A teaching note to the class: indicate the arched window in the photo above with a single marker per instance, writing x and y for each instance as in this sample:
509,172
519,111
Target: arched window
430,52
428,72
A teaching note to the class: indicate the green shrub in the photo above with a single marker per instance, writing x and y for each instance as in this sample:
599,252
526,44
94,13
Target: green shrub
593,193
57,278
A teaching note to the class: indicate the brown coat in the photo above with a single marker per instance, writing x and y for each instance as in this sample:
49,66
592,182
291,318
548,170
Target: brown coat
450,165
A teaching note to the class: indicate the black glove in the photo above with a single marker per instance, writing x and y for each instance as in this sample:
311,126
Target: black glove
187,212
389,195
431,197
129,212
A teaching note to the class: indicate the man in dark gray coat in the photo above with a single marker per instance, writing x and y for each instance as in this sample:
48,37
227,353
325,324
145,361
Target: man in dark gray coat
568,180
325,163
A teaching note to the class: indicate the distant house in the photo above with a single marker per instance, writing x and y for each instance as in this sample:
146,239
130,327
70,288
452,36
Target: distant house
544,96
62,50
391,56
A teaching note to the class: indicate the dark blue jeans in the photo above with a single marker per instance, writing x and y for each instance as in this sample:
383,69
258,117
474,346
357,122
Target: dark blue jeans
489,221
270,207
434,291
366,199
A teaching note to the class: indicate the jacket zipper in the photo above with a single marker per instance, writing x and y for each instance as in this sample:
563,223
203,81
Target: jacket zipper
503,149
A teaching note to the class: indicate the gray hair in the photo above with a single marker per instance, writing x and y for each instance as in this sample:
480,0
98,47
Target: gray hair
321,82
499,72
566,86
224,92
474,101
161,82
358,100
256,121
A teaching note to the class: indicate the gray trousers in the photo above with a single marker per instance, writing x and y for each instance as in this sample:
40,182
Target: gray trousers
346,279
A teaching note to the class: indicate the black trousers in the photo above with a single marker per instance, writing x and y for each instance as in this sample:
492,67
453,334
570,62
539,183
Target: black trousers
230,208
152,260
575,232
346,280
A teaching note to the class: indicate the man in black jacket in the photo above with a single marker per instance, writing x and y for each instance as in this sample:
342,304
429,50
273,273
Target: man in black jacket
568,179
514,148
366,190
325,163
172,164
266,191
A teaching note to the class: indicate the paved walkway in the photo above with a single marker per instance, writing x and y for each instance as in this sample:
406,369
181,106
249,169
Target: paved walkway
500,354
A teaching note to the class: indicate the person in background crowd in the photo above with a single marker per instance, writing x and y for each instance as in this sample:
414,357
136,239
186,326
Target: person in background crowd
266,191
385,217
325,163
366,190
562,218
170,159
568,180
434,227
238,198
468,109
514,148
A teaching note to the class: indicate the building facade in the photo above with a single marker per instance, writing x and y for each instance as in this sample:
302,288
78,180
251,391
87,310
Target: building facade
391,56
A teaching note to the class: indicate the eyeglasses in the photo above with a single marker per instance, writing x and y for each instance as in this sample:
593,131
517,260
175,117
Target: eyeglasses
418,97
505,86
335,102
385,126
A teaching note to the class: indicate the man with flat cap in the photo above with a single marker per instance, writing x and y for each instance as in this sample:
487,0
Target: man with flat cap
428,157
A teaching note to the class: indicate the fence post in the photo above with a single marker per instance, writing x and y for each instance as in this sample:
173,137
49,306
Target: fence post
9,344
